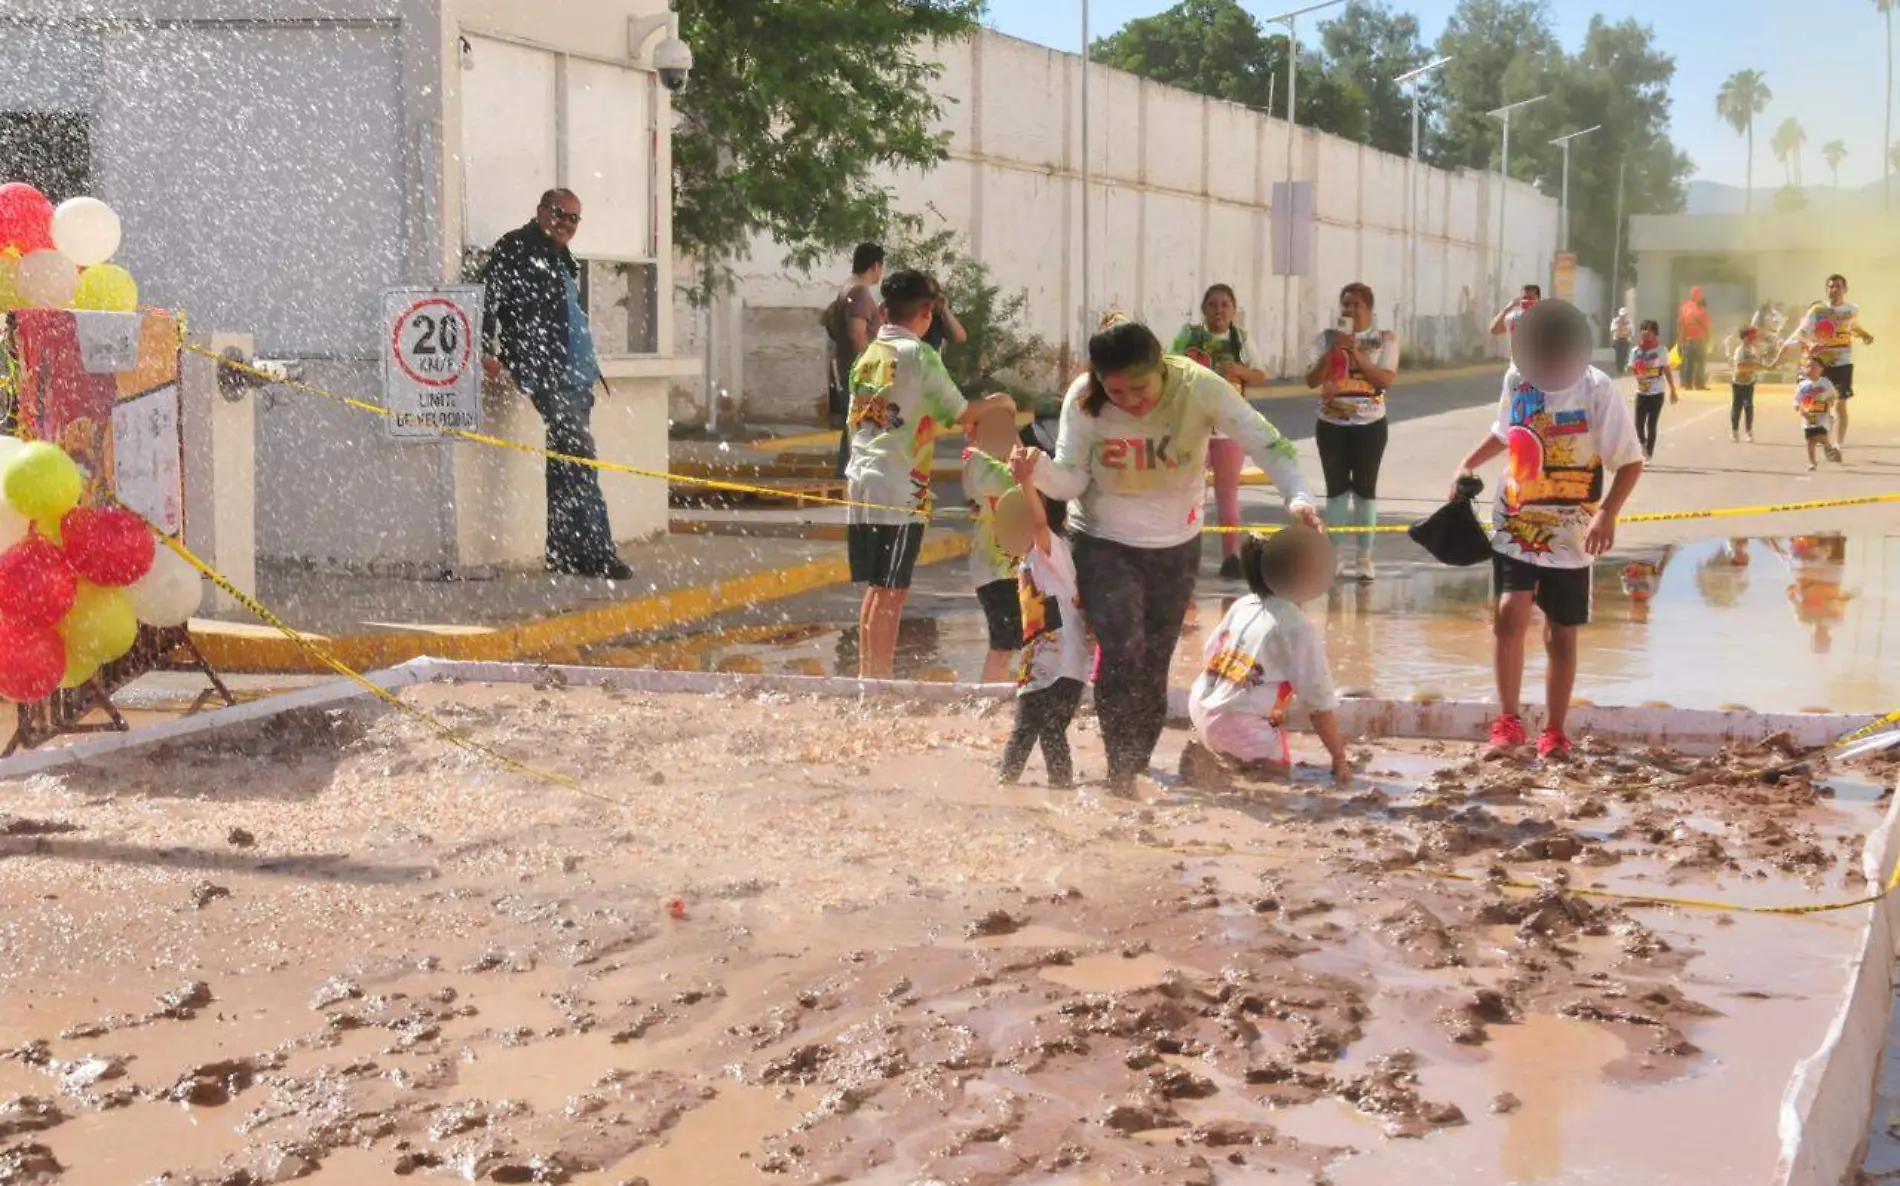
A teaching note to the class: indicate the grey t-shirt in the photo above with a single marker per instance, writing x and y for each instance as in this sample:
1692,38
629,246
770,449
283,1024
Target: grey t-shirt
855,301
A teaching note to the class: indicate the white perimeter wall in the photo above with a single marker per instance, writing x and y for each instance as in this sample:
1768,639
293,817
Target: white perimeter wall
1179,199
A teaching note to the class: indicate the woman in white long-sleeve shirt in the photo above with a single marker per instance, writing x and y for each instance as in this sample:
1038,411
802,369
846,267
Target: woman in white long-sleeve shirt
1131,458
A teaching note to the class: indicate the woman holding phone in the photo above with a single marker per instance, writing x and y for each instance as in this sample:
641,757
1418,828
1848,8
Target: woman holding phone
1352,366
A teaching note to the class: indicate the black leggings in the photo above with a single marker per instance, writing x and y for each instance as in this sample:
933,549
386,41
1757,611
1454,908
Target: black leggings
1648,419
1136,600
1044,716
1741,406
1349,456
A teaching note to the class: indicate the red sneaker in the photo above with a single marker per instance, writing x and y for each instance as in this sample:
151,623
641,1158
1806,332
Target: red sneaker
1552,744
1507,732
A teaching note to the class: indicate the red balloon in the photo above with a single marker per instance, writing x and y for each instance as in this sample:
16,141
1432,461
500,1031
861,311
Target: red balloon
37,586
109,546
26,218
32,662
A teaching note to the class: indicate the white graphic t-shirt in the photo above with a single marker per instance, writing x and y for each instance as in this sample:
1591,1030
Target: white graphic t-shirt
1647,364
1559,444
1055,646
902,400
1352,399
985,481
1263,656
1831,330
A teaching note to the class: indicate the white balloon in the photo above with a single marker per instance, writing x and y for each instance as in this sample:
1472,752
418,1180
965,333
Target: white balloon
169,594
48,280
86,231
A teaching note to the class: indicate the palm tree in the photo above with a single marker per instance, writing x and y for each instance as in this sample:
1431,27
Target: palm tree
1834,152
1886,7
1743,97
1790,139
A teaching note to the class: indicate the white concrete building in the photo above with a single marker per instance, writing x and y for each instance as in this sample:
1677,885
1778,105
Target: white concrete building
1180,197
280,162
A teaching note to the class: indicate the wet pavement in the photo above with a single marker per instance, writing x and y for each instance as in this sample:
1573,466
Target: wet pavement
1779,624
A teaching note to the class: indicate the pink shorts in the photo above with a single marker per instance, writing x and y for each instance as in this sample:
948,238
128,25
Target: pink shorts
1241,736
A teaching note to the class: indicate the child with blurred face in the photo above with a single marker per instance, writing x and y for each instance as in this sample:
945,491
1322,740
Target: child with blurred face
1265,656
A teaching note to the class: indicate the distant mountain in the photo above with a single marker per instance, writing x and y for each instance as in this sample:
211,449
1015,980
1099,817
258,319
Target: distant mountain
1712,197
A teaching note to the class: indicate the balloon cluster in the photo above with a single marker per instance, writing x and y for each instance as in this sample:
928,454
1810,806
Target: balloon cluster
75,581
55,257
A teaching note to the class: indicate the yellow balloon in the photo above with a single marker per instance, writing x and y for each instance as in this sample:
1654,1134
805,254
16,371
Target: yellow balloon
100,627
10,298
107,288
78,674
41,482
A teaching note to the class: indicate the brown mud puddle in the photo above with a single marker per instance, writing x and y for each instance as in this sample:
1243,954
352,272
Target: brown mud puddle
882,968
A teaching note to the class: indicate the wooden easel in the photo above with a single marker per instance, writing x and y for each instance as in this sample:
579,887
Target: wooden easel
64,713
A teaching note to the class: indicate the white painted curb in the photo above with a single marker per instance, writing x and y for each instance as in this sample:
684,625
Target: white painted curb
1830,1097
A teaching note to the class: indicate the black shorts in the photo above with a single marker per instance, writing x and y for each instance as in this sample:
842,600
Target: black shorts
1815,432
1003,613
1843,379
884,554
1562,593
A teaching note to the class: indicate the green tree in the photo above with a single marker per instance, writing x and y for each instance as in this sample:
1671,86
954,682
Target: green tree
1216,48
1370,45
1789,139
1501,51
1834,152
1789,199
998,351
793,108
1744,96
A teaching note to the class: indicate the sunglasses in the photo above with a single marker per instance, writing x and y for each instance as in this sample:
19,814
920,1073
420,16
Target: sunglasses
563,216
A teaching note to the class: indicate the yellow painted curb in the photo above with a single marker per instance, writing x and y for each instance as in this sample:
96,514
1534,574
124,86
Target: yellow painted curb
241,648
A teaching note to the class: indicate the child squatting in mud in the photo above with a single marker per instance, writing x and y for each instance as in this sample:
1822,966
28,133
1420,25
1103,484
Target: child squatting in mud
1264,656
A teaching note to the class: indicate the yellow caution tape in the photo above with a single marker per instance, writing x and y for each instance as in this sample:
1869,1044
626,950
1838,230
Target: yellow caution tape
446,732
616,467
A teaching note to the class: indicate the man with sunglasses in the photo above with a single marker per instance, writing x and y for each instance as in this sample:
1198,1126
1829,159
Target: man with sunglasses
534,327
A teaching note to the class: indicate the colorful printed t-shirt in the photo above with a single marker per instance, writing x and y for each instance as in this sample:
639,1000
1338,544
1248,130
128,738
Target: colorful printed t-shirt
902,400
1558,445
1142,480
1647,363
1815,400
1055,637
1353,399
1748,363
1213,350
1831,330
985,481
1264,654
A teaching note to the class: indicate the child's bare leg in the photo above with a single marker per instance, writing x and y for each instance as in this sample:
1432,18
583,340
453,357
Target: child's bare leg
1510,625
884,609
1813,444
996,666
1840,421
1560,643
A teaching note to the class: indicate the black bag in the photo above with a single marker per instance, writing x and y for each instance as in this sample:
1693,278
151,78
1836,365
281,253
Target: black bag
1453,534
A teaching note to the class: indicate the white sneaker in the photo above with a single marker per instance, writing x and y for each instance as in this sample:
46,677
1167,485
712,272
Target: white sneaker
1735,438
1364,572
1813,465
1751,436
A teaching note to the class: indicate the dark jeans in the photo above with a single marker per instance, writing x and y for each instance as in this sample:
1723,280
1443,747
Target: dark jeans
1622,355
579,537
1741,406
1648,420
1136,600
1350,455
1695,363
1044,717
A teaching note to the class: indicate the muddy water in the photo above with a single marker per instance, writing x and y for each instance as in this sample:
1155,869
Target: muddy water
1778,624
886,969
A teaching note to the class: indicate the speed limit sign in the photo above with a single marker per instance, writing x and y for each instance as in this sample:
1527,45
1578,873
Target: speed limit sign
432,361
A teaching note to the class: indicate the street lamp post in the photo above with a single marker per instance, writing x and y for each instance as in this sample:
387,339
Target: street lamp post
1616,256
1292,21
1411,199
1504,184
1563,203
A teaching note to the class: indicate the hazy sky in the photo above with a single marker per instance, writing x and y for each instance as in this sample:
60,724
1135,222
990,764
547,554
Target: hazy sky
1824,61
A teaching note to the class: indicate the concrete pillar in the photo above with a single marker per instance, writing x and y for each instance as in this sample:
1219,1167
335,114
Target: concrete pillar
220,468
